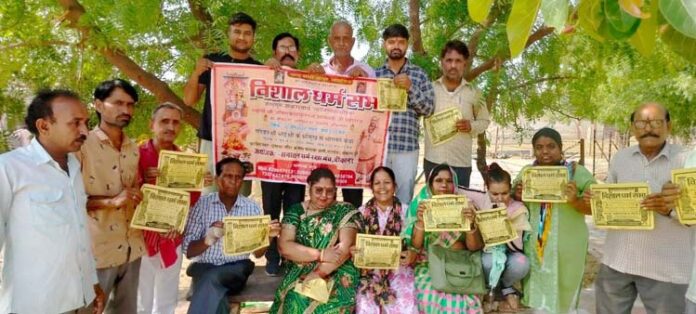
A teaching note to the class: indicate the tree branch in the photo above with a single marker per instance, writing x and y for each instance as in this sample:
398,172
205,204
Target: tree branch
74,10
543,79
36,43
504,55
201,14
414,18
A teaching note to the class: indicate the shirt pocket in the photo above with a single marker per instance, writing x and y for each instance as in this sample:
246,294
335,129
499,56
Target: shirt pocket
48,207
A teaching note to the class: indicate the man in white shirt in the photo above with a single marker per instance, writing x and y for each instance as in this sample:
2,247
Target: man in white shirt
453,91
654,264
48,262
341,42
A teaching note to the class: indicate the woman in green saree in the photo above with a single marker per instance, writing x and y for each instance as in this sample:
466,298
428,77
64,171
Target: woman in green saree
557,244
315,239
442,180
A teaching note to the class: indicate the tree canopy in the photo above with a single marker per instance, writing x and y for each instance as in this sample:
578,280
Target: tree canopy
571,59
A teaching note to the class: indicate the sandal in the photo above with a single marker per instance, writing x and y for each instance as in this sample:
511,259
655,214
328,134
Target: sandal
489,305
510,305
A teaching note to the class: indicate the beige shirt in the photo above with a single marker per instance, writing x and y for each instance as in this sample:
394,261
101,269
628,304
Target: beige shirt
106,172
457,151
666,252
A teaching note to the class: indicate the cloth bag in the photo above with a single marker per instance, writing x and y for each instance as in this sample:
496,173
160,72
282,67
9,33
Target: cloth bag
458,272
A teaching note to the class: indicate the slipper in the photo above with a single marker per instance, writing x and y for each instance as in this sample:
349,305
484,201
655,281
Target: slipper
510,305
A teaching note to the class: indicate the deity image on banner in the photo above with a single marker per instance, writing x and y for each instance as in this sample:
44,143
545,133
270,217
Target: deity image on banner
235,117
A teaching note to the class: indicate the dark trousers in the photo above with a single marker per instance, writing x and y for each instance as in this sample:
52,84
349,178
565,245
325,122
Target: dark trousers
463,173
276,196
212,284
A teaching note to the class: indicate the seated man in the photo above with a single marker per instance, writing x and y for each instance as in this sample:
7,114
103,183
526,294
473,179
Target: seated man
215,275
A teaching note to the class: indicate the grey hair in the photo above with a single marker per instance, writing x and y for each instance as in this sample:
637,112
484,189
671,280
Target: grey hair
167,105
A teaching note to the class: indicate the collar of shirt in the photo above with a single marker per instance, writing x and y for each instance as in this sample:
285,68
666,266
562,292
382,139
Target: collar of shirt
666,152
404,68
463,84
41,156
101,135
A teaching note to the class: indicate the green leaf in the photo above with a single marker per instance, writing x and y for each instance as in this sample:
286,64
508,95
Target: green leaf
644,38
555,13
680,14
520,23
620,25
479,9
590,17
680,43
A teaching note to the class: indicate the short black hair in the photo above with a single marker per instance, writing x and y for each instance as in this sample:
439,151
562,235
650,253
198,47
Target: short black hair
105,88
228,160
456,45
395,30
242,18
388,170
667,118
41,107
280,36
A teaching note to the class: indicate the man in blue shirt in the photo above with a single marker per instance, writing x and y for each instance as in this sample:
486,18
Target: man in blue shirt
402,153
215,274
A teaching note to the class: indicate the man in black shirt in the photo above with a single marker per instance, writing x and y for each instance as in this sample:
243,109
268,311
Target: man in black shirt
241,31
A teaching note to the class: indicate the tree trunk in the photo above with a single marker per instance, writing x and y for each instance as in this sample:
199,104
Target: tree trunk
414,19
74,10
481,162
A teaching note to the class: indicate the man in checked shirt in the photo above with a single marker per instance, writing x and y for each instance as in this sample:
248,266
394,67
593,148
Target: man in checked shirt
402,153
215,274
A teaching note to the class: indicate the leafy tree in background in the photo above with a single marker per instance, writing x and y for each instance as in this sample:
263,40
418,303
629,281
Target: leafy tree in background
564,59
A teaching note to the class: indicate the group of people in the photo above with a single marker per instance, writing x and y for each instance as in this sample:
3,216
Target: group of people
67,198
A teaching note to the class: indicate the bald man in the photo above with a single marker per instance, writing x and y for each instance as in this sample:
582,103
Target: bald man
653,264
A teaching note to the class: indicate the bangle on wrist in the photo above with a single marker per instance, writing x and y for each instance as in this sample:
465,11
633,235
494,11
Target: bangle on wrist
418,227
474,229
321,256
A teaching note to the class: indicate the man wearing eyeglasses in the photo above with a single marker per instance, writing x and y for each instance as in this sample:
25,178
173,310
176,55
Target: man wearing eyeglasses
286,53
653,264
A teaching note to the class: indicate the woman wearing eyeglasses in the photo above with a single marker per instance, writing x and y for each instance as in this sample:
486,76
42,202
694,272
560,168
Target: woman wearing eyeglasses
315,239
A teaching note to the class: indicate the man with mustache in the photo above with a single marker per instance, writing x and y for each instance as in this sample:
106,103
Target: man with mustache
241,35
286,53
48,263
653,264
402,153
110,171
453,91
341,42
158,284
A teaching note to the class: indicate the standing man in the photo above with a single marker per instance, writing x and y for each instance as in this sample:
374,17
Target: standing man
453,91
286,52
158,286
341,42
215,274
402,153
654,264
241,32
110,172
48,264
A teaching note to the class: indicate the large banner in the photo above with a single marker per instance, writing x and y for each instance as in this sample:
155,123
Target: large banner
286,123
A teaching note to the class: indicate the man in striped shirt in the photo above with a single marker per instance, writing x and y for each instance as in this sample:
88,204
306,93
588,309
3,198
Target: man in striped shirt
215,274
